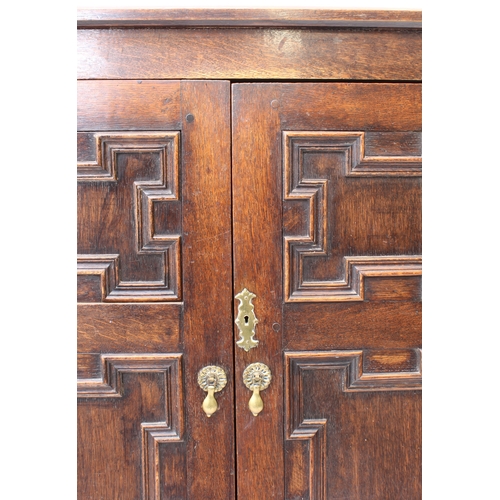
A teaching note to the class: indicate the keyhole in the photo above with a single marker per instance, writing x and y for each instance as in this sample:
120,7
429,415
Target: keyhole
246,320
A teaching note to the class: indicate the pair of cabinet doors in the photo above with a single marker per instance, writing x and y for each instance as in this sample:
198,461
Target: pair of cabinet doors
308,196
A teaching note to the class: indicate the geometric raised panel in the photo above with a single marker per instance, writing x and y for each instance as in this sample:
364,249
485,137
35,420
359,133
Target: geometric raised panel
341,224
129,216
166,399
310,449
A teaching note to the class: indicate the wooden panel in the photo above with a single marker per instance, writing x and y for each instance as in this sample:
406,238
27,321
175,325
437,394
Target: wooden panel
384,360
390,315
352,325
377,107
140,191
172,458
390,288
249,54
136,328
90,287
86,150
250,17
124,419
257,184
393,144
206,153
355,228
115,105
341,119
123,237
350,434
89,365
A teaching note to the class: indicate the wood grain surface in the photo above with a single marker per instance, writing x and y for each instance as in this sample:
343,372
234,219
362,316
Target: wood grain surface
206,160
138,105
351,434
124,418
137,328
257,251
142,430
386,321
249,17
300,180
248,53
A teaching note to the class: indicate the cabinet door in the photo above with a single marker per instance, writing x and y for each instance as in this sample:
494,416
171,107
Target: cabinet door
327,235
154,289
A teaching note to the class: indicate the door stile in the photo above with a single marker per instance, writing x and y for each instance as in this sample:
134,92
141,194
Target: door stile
257,250
205,114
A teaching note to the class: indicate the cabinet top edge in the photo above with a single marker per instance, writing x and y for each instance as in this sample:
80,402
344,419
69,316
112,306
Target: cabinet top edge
310,18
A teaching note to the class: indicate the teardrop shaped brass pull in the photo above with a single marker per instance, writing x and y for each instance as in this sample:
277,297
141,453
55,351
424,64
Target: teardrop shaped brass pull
209,404
211,379
256,404
256,377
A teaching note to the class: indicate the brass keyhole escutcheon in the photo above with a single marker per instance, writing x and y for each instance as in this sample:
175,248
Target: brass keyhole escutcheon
256,377
246,320
211,379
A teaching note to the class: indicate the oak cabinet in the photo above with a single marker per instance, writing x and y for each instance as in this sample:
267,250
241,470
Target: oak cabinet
273,151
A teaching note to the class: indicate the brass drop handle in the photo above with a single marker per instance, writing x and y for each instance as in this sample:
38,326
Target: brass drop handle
256,377
211,379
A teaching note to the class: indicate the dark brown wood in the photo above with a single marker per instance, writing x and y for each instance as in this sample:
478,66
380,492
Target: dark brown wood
129,207
129,327
353,325
343,106
394,288
88,366
335,241
139,105
124,417
385,360
257,251
145,198
393,144
350,434
250,17
206,154
307,192
246,53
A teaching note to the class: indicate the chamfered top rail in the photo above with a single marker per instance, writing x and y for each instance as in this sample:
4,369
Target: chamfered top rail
317,18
